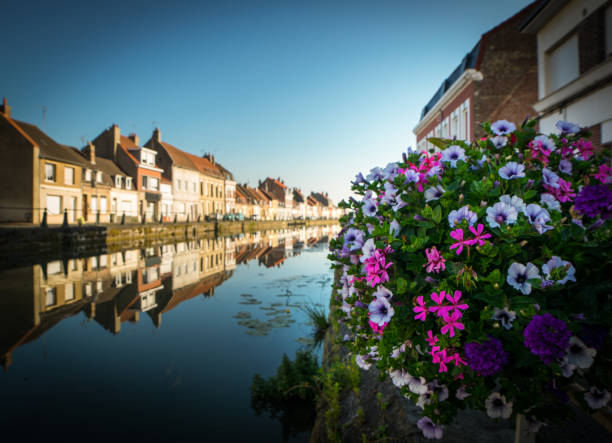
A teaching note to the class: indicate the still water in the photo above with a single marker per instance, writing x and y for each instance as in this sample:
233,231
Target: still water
156,344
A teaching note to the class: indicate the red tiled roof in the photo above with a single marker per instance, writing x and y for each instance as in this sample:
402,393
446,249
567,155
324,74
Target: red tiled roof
205,166
178,157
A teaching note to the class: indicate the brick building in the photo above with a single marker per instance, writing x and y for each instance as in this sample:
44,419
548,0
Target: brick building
496,80
574,65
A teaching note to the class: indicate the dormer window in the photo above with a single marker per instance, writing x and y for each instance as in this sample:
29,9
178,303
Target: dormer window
98,177
88,175
117,181
128,183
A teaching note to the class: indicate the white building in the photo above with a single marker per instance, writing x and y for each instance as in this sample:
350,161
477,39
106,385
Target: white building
574,65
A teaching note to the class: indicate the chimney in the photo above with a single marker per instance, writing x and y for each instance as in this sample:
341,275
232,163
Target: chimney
5,109
116,133
134,138
92,153
157,135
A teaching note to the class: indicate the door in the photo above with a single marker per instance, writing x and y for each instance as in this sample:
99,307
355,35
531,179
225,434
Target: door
85,207
73,209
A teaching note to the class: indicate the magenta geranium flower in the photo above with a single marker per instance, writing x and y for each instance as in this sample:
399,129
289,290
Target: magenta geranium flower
421,309
435,262
479,237
452,323
455,305
438,300
457,234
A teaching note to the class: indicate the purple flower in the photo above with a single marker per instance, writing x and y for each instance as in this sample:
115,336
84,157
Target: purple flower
501,214
411,176
550,178
368,249
515,201
458,215
594,200
565,166
547,337
391,171
430,429
550,201
381,311
546,142
519,275
394,228
537,217
453,154
596,398
369,208
566,270
433,193
567,127
375,174
486,358
353,239
512,170
499,141
503,127
359,179
504,316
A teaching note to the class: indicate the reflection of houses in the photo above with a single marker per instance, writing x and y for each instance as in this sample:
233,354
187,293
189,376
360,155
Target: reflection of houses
39,174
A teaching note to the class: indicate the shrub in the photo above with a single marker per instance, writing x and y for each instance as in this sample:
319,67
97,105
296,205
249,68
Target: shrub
479,276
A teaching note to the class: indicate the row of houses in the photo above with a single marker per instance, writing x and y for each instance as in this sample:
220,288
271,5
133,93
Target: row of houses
551,60
116,177
125,286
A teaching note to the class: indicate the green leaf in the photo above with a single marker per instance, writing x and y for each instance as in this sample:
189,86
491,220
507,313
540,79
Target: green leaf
401,285
437,214
494,277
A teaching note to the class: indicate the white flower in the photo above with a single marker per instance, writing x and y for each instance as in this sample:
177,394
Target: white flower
362,363
497,406
579,355
597,399
418,385
400,377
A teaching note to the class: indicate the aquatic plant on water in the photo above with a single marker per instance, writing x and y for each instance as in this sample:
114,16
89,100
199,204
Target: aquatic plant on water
480,276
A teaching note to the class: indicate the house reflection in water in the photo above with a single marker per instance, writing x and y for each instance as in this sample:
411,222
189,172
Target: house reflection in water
115,288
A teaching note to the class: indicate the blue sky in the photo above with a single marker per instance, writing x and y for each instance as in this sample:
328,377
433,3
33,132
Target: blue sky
313,92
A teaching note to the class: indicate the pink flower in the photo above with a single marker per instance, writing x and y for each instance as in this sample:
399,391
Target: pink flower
604,175
376,267
564,192
421,309
435,261
454,299
440,357
452,323
585,148
458,360
539,151
479,236
438,299
457,234
376,328
431,339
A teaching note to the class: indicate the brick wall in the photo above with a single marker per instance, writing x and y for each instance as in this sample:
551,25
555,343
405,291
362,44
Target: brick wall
466,93
508,62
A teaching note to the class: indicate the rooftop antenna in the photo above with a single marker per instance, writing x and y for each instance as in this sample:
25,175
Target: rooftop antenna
44,115
83,140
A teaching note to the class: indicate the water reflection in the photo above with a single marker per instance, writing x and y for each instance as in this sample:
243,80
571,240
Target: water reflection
112,289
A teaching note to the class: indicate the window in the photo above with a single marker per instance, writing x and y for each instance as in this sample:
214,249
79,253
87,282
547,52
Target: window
99,286
153,183
50,297
54,204
114,206
88,290
144,182
609,31
88,175
193,185
117,181
562,64
69,291
98,176
103,205
201,188
128,183
49,172
54,267
68,176
103,261
94,205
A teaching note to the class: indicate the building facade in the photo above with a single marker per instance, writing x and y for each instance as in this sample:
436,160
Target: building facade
496,80
574,65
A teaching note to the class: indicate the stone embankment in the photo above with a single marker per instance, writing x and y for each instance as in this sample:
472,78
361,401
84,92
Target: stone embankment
22,244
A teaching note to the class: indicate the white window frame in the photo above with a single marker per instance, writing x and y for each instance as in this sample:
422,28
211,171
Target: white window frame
50,297
51,208
118,181
88,175
68,175
50,172
98,176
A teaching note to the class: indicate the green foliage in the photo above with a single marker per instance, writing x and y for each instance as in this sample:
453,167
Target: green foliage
480,272
319,320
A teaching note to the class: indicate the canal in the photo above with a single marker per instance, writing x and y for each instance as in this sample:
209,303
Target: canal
159,343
